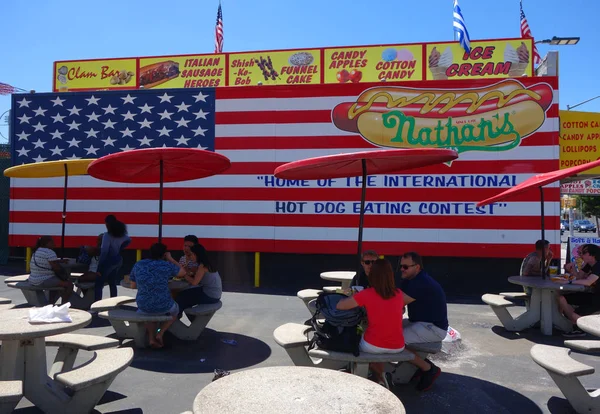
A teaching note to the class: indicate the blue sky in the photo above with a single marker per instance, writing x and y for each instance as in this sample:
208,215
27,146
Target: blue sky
34,33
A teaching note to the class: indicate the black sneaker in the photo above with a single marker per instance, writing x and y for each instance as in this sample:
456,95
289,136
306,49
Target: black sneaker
573,334
418,372
428,378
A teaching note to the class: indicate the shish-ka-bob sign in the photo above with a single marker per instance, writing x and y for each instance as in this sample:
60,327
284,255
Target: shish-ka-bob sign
492,118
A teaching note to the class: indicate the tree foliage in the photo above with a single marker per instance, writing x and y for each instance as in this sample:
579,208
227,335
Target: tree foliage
591,205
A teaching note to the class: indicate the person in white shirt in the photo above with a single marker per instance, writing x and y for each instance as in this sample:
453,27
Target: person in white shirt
45,269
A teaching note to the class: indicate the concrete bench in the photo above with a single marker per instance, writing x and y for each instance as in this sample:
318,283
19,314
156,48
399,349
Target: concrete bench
34,295
199,316
499,305
564,370
86,384
70,344
111,303
11,393
583,345
293,338
307,295
19,278
359,365
4,301
129,324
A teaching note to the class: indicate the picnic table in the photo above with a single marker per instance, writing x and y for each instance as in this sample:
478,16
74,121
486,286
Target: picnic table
300,390
543,305
23,351
343,277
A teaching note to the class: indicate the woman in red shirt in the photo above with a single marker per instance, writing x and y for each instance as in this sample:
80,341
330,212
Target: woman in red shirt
385,307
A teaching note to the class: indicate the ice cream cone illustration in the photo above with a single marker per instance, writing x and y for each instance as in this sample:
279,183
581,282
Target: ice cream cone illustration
439,63
518,58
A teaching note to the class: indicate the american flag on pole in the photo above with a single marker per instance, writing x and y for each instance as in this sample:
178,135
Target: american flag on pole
526,33
219,31
6,89
460,28
245,209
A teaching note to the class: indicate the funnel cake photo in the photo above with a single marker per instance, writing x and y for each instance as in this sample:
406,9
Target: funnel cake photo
439,63
518,58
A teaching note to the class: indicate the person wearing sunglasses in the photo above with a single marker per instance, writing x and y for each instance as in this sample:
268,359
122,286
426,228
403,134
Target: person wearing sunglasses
361,279
427,311
587,302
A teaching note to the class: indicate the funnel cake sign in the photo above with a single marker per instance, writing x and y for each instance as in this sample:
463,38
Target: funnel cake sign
491,118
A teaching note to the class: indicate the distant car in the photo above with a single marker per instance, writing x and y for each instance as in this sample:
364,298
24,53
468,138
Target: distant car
584,226
564,226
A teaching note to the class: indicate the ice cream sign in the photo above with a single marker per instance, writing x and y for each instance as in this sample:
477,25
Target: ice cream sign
490,59
493,117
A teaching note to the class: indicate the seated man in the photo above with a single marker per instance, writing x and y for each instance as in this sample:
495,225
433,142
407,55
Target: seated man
532,264
426,302
151,278
427,311
586,302
362,279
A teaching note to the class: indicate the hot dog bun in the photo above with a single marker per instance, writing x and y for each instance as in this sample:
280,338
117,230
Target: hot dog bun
524,117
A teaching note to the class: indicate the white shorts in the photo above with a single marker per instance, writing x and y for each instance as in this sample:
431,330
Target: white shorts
364,346
421,332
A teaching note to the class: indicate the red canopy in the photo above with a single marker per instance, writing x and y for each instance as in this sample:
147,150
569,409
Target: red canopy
350,164
143,165
539,180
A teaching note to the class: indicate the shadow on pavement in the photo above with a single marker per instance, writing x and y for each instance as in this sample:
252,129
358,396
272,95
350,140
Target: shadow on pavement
557,405
204,355
535,336
453,393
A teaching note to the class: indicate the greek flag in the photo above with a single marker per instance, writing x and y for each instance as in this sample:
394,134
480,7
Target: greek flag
461,28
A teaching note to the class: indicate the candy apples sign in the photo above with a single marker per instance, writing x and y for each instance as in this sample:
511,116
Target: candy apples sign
493,118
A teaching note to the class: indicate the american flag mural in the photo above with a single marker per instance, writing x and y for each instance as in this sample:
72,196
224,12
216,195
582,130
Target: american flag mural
219,31
431,210
526,33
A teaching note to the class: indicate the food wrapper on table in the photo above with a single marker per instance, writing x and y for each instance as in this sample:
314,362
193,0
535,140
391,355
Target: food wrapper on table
50,314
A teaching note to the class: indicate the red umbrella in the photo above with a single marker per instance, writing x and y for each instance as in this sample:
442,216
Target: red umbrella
363,163
540,180
158,165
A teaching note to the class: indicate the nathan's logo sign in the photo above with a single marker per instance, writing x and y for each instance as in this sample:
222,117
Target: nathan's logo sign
494,118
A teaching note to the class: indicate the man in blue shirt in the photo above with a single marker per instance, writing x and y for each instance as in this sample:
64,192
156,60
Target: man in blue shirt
151,278
427,312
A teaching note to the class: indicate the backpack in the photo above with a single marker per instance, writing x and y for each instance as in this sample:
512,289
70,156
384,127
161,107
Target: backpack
340,331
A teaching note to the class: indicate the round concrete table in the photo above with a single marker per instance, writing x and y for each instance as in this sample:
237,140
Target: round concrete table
343,277
295,390
543,305
590,324
23,352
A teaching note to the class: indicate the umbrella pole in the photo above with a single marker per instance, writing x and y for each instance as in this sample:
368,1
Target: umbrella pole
543,264
160,205
64,213
362,209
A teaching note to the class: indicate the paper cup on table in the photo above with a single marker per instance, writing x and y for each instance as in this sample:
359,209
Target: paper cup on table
553,270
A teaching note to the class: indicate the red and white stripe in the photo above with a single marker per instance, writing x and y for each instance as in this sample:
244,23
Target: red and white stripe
235,211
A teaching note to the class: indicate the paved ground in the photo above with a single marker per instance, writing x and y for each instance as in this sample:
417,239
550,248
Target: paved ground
492,373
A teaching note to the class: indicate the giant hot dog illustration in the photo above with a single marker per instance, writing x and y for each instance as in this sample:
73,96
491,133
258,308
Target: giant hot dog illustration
494,118
158,73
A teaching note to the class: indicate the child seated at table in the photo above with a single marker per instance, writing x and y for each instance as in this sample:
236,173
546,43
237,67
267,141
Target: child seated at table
151,278
46,271
384,335
94,253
